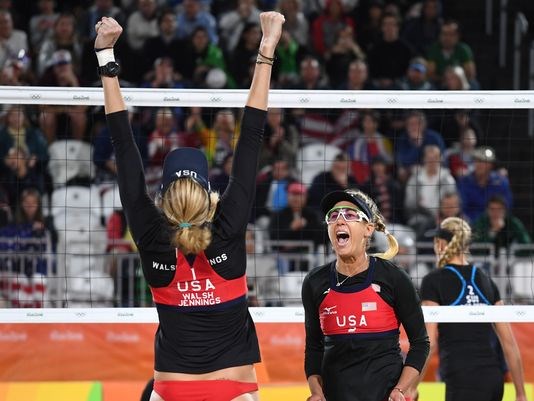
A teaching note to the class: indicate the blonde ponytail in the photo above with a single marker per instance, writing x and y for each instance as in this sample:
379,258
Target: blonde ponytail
189,210
459,242
378,220
393,247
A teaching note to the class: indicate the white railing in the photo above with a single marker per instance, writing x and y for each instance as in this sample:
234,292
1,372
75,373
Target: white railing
100,279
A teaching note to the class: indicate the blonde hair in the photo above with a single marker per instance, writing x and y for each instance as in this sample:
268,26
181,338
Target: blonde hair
189,209
378,220
460,240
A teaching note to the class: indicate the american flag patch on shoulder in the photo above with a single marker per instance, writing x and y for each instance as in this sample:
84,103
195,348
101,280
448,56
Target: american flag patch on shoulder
368,306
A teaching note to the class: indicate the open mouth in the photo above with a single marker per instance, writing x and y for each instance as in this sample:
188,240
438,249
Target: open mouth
342,237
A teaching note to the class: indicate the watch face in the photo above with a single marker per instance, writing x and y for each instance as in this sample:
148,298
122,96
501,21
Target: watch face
113,68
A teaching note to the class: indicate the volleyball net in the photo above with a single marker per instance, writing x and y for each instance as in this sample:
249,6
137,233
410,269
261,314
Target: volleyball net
313,138
73,296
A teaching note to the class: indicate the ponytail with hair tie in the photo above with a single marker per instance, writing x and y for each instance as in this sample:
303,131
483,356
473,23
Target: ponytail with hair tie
393,246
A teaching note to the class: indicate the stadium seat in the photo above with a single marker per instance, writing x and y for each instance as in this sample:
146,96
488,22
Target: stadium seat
81,246
313,159
70,159
109,201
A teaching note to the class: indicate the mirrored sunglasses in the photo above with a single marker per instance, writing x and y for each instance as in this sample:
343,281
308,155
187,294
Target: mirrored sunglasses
349,214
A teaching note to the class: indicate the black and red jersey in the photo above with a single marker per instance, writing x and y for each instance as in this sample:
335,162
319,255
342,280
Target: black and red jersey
204,323
352,330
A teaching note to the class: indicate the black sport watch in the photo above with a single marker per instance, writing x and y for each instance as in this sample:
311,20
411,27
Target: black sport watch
111,69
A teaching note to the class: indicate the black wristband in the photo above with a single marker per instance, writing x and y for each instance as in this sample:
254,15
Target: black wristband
103,48
265,57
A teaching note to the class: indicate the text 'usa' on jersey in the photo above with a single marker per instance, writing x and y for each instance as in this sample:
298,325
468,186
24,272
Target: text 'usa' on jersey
196,286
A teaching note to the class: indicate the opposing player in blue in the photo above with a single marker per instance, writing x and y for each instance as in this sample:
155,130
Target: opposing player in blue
469,364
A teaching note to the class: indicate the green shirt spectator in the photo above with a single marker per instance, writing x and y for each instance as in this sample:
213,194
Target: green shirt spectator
499,227
449,51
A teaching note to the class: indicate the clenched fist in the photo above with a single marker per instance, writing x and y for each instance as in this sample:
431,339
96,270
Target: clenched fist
107,32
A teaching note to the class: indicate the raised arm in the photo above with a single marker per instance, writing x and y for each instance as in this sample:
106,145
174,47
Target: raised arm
108,31
271,27
238,198
138,207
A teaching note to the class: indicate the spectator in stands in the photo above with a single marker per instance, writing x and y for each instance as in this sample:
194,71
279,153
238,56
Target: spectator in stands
296,23
424,189
104,156
18,172
142,24
219,180
194,16
220,140
460,156
271,192
289,54
312,8
280,139
368,145
17,72
295,222
13,41
6,215
338,177
326,27
344,51
200,56
450,205
61,73
390,57
454,79
385,190
453,123
415,77
63,37
357,77
165,137
29,215
476,188
498,226
409,147
178,5
422,31
166,44
99,9
28,267
123,270
244,55
450,51
42,23
368,25
163,75
232,23
310,76
24,153
17,131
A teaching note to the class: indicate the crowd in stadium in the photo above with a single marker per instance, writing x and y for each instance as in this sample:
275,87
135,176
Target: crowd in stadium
420,167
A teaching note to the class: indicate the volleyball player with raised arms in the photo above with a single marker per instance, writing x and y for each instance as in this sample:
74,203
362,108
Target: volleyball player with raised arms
353,308
192,246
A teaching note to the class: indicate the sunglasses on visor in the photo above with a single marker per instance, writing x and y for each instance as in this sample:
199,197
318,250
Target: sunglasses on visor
350,214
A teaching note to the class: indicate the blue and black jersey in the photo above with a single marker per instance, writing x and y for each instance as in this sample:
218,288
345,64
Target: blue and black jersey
468,356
